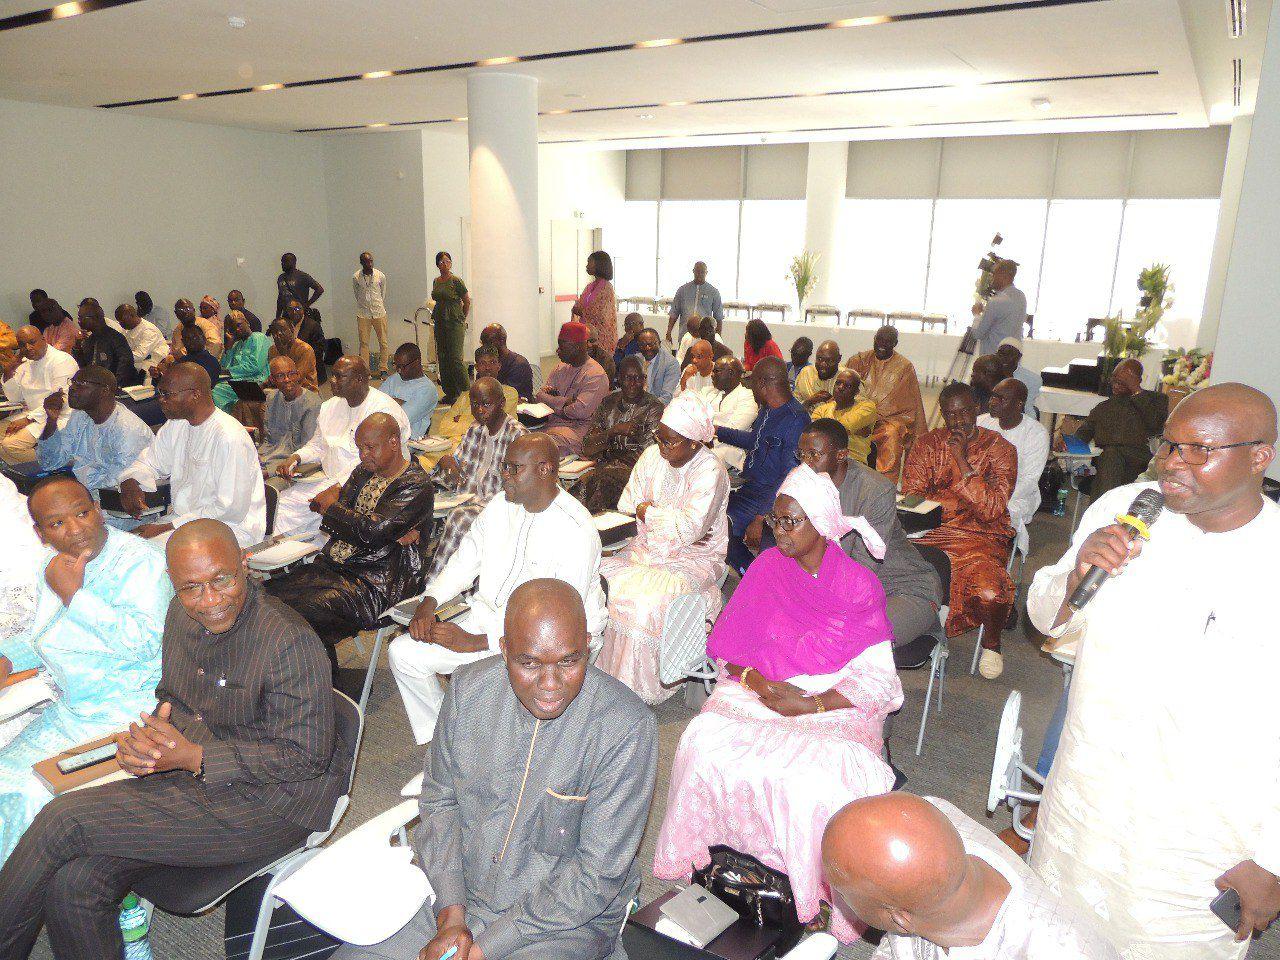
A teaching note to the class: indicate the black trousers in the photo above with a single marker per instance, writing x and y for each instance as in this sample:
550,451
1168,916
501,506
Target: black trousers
82,853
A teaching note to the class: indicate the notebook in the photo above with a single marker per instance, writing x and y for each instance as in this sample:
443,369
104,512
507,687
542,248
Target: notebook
534,411
282,554
19,697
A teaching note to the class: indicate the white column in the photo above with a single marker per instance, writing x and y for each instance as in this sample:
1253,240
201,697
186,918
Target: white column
1248,340
1232,180
502,127
824,191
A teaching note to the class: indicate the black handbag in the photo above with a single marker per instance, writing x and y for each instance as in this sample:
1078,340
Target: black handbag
761,895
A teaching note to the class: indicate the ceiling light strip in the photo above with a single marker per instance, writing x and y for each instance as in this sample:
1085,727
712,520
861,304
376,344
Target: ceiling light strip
61,11
1016,6
1122,75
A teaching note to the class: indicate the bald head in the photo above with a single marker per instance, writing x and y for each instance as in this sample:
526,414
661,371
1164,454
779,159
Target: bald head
545,644
769,382
380,426
538,447
488,403
378,444
1249,411
900,865
203,536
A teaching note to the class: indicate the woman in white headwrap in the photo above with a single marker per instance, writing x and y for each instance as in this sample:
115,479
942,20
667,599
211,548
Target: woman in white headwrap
679,492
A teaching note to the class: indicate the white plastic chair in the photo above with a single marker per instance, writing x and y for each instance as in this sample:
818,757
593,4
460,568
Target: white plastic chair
683,653
937,672
1008,769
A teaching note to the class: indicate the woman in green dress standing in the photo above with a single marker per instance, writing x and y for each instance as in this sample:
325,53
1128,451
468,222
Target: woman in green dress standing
453,304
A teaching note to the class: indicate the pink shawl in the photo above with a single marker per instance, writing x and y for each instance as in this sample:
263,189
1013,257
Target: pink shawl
785,623
589,293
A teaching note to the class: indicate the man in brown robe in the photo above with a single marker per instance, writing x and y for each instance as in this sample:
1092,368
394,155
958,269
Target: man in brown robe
889,380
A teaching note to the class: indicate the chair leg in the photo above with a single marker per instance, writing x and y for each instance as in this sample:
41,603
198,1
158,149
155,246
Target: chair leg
378,641
977,650
942,672
928,697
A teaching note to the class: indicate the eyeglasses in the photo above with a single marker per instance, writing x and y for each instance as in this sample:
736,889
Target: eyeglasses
669,444
1197,454
788,524
509,469
219,584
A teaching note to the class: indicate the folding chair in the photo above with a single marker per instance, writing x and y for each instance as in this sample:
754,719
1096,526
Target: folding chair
188,891
1008,769
683,654
941,651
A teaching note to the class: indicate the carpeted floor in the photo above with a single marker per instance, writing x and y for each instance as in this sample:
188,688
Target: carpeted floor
956,763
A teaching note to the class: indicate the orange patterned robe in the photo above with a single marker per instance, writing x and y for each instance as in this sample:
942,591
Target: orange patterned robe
976,533
894,388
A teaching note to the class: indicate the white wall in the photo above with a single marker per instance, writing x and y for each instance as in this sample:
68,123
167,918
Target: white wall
101,203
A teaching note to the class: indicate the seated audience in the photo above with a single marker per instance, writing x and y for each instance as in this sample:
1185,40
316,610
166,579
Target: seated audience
696,377
59,328
285,343
211,312
986,373
450,423
569,866
514,370
185,312
217,778
733,405
8,341
692,333
573,390
815,382
475,466
29,378
801,351
662,378
291,415
710,335
1122,427
621,429
148,344
770,446
103,346
794,728
678,493
95,627
912,589
364,569
758,343
942,886
99,439
410,387
1005,415
208,459
333,445
533,529
629,342
889,381
149,311
244,360
235,301
19,579
596,353
306,322
1010,356
972,472
857,415
195,350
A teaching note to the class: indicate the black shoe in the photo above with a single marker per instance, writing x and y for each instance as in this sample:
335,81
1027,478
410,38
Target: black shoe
915,654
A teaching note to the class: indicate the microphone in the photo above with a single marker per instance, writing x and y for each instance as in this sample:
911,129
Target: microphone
1144,510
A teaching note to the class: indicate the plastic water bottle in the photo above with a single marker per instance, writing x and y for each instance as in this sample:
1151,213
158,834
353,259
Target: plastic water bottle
1060,508
134,928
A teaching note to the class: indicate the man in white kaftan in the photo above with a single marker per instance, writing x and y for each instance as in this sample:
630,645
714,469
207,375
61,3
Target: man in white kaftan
531,530
679,492
1164,788
1007,416
333,445
734,406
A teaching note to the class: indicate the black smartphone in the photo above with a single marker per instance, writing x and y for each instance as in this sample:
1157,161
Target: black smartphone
1226,907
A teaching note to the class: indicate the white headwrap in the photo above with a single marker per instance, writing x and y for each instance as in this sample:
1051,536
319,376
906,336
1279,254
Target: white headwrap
691,417
820,501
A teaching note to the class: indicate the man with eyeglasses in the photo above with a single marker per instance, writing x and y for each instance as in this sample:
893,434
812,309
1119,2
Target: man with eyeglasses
412,389
1164,791
290,419
238,763
208,458
533,529
1122,427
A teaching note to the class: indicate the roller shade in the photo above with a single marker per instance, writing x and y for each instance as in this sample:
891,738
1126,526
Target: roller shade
644,174
776,171
892,169
1178,164
702,173
1092,166
997,168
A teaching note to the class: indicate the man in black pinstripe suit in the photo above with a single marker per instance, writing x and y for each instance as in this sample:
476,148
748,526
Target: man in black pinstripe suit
238,762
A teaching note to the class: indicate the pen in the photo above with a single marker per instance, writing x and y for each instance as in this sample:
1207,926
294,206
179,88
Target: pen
449,953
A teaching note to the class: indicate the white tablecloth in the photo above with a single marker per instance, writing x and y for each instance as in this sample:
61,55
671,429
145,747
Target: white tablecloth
1075,403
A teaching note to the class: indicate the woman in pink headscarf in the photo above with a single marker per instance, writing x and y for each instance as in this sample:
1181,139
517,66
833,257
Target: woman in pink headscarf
679,492
794,730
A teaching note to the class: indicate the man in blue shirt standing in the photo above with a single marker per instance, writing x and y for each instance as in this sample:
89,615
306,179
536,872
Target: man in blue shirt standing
696,298
412,389
771,446
663,376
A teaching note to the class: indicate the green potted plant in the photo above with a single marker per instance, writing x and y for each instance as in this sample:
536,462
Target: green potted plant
1132,338
804,275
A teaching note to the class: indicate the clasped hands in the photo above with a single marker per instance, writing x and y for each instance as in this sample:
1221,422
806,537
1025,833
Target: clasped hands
779,696
156,745
425,628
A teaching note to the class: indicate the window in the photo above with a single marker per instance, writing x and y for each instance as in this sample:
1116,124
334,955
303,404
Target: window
693,230
632,242
1079,258
772,234
881,255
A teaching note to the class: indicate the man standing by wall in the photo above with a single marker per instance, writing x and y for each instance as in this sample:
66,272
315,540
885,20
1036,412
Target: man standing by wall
370,285
697,298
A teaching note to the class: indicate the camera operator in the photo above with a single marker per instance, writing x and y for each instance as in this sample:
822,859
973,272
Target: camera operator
1005,313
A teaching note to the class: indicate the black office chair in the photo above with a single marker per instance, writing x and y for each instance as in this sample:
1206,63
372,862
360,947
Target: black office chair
188,891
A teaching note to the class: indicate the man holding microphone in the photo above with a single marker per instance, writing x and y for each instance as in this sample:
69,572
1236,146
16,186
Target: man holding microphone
1164,793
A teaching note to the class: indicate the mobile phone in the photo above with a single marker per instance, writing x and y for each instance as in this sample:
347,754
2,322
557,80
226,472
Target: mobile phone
1226,907
89,758
910,501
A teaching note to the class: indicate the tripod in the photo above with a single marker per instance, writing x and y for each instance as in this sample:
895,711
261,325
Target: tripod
958,370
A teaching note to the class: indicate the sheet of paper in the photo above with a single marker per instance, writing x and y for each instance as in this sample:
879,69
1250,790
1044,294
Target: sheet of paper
429,444
576,467
610,519
447,501
539,411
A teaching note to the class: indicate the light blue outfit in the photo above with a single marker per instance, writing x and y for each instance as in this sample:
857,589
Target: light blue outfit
663,378
102,653
97,453
696,298
419,398
244,360
1033,382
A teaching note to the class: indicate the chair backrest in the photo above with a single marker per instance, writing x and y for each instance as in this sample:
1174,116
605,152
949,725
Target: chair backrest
941,564
348,730
684,638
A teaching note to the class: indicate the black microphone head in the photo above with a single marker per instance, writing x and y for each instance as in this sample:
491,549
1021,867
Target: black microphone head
1147,506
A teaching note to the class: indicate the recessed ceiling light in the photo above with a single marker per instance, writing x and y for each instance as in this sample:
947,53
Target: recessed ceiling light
1042,103
556,113
459,119
270,86
188,96
66,10
859,22
498,61
372,125
644,116
575,96
375,74
668,42
676,103
236,23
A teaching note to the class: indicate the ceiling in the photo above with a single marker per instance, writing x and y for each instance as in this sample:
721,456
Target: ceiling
906,67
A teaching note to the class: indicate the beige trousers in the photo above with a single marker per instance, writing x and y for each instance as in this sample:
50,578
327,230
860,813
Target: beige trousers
379,324
18,447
